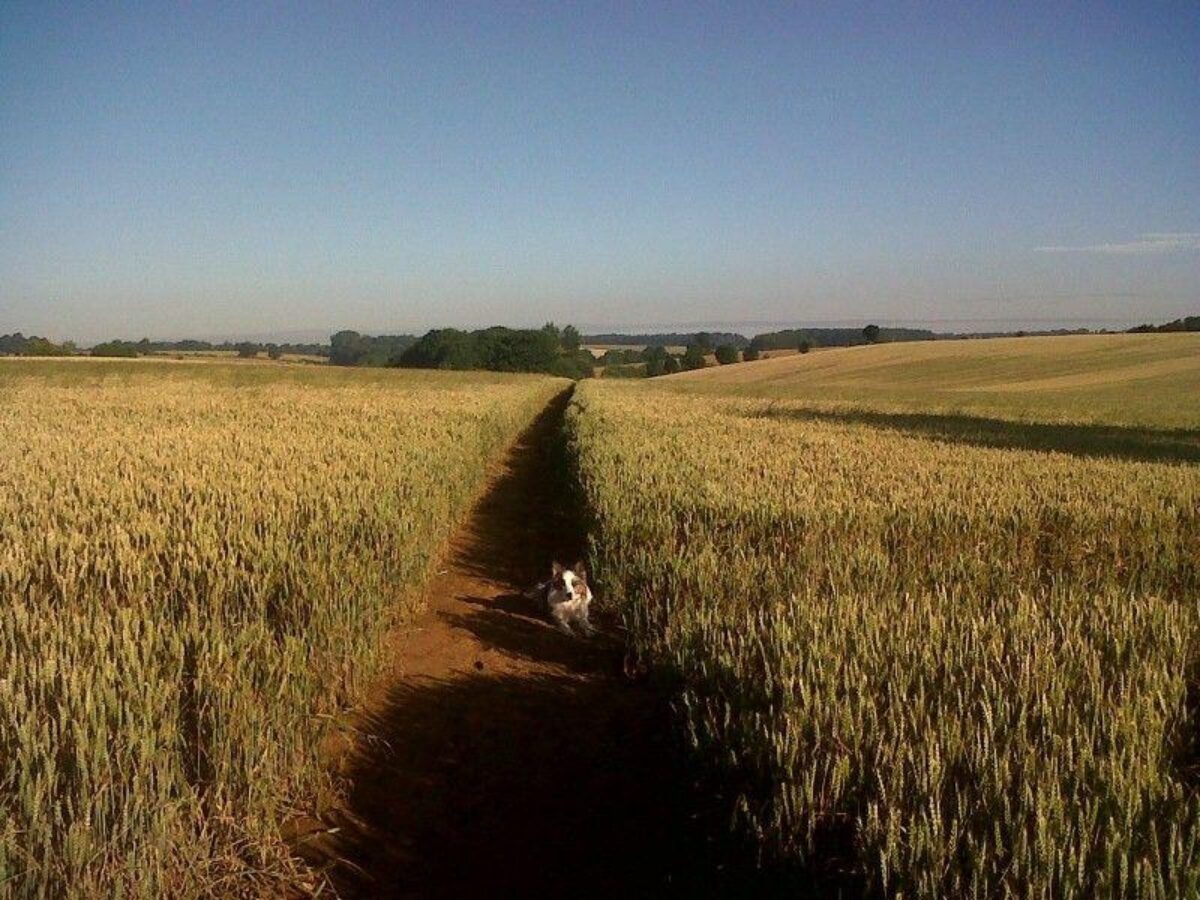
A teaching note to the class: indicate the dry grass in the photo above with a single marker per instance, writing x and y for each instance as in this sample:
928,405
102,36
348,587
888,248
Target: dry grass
196,564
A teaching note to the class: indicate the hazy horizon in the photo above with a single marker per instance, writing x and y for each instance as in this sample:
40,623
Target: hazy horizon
230,170
748,329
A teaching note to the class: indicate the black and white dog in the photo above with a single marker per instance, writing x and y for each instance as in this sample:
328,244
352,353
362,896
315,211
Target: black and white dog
566,597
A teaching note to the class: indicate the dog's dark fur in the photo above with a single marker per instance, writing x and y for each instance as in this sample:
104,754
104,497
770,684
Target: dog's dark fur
566,597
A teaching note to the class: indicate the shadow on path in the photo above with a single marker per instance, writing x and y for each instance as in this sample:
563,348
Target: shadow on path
1142,444
502,758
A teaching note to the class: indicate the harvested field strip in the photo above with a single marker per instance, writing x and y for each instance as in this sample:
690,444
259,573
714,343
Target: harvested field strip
1139,380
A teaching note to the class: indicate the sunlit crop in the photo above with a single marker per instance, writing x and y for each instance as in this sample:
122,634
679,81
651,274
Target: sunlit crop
974,667
196,563
1132,381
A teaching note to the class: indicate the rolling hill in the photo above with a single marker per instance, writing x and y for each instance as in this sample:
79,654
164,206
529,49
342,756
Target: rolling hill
1147,380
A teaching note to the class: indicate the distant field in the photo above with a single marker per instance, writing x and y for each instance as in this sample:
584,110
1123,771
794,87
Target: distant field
1129,379
599,350
197,561
929,640
194,356
228,355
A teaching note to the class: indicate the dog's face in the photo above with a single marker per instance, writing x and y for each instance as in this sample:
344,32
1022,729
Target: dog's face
571,582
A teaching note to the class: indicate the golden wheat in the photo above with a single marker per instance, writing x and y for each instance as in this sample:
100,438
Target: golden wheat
973,664
196,563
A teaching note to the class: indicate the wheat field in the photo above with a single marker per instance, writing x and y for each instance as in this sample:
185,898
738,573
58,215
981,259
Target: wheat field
197,562
960,660
1133,380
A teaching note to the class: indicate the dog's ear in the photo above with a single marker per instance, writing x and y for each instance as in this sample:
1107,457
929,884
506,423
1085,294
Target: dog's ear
579,570
556,569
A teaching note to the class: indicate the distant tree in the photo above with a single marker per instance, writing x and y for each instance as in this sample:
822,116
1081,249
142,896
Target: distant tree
247,350
727,354
19,345
704,340
570,338
804,346
120,349
274,351
789,338
1187,323
750,354
515,350
39,346
871,334
442,348
660,362
625,371
579,364
498,350
667,339
618,357
346,348
693,357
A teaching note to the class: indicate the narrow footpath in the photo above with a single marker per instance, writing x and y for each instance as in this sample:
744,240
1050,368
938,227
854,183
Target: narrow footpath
499,757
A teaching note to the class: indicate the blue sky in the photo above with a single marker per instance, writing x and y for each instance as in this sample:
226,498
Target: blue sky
237,169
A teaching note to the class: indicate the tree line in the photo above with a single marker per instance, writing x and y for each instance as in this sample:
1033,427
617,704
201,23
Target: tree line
548,350
18,344
670,339
656,360
1187,323
244,349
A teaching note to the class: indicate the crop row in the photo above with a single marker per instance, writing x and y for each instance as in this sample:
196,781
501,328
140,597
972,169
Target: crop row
967,670
195,574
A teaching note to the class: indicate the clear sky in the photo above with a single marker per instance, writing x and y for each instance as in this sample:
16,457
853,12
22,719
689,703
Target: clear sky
208,169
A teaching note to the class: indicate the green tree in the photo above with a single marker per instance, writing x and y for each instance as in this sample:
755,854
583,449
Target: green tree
571,338
693,357
346,348
618,357
726,354
871,334
122,349
580,364
19,345
751,353
657,361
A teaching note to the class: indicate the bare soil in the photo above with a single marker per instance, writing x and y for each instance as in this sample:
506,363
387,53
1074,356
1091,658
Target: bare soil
499,757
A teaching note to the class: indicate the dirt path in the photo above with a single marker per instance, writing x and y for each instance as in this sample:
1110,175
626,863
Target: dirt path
501,758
